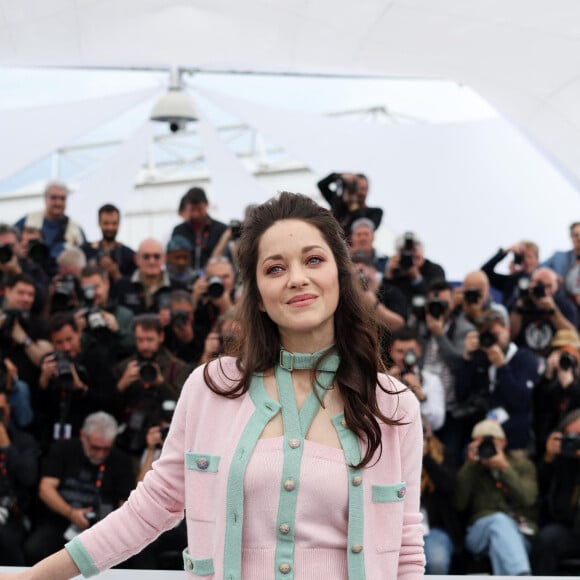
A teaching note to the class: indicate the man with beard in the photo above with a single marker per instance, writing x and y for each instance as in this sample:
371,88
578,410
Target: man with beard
116,258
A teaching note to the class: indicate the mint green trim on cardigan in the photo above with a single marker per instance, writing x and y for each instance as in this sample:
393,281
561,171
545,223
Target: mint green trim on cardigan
389,493
197,566
352,452
202,462
81,558
266,409
296,425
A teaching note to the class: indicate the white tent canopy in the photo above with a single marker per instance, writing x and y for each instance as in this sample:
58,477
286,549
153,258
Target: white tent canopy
519,55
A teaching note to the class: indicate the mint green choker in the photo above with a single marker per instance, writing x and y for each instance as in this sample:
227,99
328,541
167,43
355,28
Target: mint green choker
299,361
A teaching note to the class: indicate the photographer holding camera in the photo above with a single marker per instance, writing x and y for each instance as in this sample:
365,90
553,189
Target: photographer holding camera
59,232
387,301
541,311
559,481
144,381
213,294
74,381
82,480
15,260
558,390
405,353
497,492
148,288
346,193
497,378
64,291
23,334
201,230
409,270
180,337
114,257
523,264
18,479
442,346
104,324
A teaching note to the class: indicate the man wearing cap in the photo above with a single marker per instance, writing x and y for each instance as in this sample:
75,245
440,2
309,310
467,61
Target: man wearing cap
558,390
496,370
497,492
179,268
200,229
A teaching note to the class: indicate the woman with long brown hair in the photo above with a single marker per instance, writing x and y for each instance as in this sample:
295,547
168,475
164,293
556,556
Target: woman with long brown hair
295,457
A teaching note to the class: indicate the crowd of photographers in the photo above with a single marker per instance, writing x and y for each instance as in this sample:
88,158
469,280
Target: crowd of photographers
96,340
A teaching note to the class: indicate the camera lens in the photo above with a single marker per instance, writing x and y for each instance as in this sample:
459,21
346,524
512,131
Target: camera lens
5,253
215,287
147,371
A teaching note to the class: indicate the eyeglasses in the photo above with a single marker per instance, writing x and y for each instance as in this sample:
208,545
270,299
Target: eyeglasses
99,448
151,256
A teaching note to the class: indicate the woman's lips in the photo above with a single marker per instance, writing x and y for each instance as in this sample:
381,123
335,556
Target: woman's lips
302,300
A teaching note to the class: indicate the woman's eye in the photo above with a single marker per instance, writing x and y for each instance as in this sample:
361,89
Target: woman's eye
314,260
274,269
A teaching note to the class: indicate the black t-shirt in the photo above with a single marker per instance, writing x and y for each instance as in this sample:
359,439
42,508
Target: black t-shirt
78,477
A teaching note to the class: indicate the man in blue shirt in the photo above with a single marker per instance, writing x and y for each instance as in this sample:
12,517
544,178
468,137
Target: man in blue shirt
58,230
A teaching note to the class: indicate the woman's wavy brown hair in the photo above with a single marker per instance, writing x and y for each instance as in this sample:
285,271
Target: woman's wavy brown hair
355,326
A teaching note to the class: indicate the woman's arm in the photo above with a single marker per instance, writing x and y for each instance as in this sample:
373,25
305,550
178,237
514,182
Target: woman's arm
57,566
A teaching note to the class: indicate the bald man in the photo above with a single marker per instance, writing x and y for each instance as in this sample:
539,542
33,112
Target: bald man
542,311
148,288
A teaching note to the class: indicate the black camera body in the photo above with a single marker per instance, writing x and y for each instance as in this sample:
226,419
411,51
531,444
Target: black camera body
472,295
63,363
407,255
147,370
487,448
38,252
179,318
409,361
92,518
487,339
215,287
6,253
538,290
567,361
570,445
437,307
236,228
11,316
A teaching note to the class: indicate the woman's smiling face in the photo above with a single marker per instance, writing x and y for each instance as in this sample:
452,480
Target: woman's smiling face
297,279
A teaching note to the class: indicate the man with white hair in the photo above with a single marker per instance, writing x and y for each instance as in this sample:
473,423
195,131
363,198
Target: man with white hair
362,240
58,230
82,480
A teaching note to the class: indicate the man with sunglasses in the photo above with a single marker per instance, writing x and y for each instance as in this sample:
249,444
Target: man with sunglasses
58,230
147,289
82,480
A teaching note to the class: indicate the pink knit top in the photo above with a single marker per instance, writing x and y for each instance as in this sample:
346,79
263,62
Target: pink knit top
321,512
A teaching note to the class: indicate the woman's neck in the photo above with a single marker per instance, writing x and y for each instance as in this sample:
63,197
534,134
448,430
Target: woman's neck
306,343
